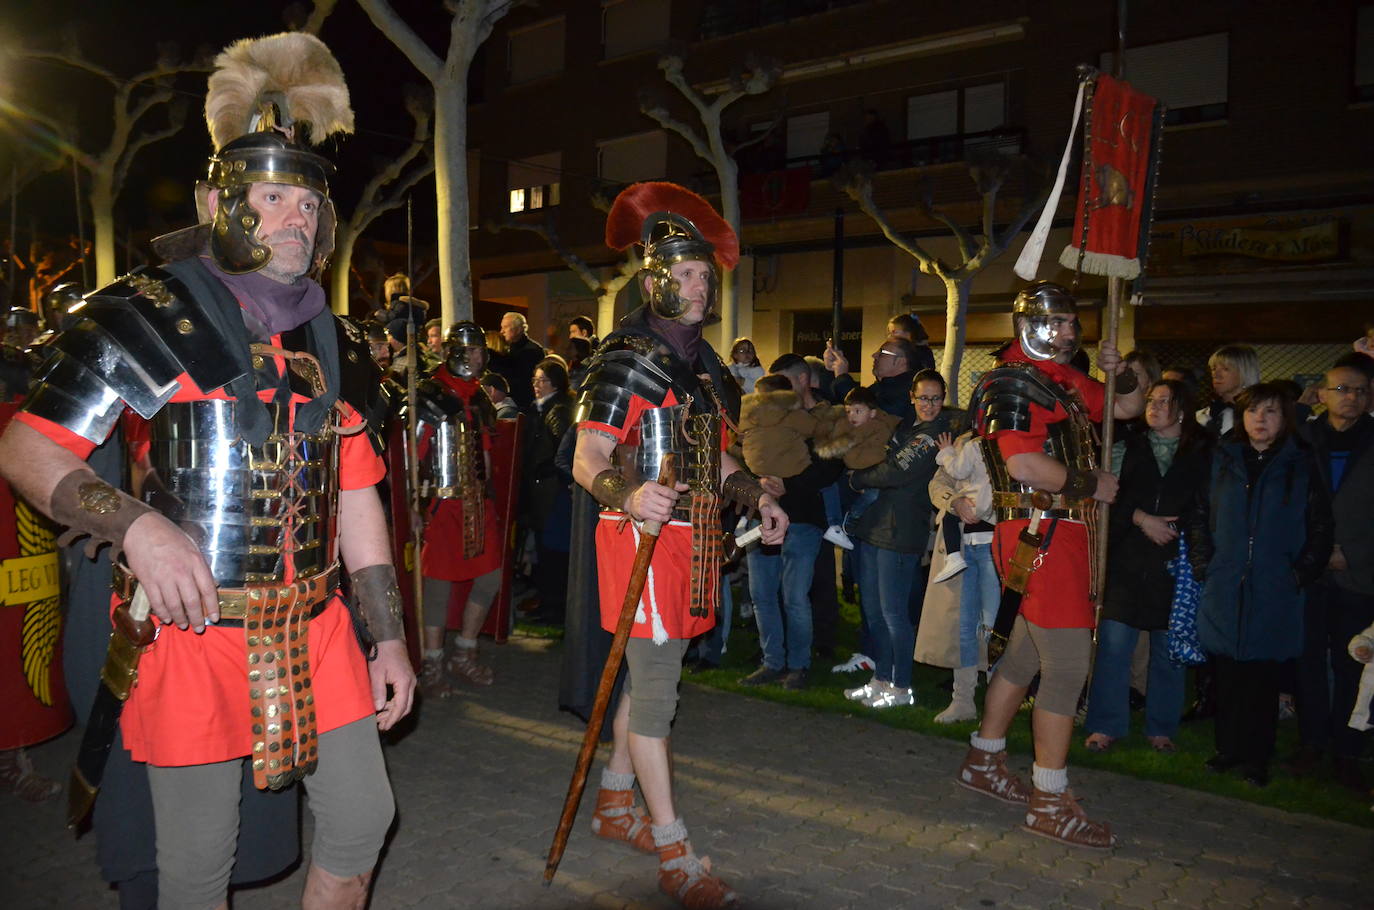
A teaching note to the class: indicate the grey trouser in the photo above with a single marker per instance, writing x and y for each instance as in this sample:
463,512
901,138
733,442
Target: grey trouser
651,685
435,594
1060,656
196,813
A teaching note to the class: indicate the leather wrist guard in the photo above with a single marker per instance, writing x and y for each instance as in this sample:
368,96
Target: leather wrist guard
1126,382
1079,484
610,489
378,597
88,506
743,489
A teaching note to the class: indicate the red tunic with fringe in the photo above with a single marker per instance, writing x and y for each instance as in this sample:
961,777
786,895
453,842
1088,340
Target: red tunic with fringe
190,705
1057,596
667,591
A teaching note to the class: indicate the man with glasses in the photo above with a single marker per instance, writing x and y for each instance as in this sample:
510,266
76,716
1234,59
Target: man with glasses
894,367
1342,603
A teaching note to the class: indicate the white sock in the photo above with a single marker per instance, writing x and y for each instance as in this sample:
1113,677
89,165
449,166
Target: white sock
436,654
612,780
1050,780
670,833
461,642
988,745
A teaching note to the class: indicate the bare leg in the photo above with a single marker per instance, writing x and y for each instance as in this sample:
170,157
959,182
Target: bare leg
434,638
1000,704
654,769
620,749
327,891
1052,734
474,615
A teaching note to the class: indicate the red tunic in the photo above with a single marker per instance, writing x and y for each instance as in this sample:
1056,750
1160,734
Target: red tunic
190,705
441,555
1057,594
667,591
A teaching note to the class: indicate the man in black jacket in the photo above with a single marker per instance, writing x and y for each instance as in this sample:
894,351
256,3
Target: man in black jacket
894,366
518,361
1341,604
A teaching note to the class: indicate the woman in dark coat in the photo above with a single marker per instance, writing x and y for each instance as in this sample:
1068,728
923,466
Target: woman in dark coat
893,533
1262,533
1162,469
548,504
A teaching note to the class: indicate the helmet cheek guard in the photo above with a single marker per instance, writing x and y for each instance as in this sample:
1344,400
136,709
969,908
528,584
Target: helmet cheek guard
665,291
461,337
234,234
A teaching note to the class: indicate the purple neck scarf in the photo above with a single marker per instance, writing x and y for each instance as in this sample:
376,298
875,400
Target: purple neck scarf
685,339
273,306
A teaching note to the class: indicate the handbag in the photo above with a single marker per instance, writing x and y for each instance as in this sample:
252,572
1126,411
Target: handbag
1184,645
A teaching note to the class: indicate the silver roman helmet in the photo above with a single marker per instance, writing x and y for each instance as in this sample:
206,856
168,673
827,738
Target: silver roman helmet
1031,317
672,224
458,356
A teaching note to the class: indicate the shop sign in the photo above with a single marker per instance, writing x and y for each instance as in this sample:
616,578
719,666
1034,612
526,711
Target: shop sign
1258,238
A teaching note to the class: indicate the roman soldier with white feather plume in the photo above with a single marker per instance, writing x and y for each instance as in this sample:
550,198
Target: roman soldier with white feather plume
243,401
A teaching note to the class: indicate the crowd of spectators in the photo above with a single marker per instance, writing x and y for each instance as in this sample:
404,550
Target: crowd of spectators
1229,488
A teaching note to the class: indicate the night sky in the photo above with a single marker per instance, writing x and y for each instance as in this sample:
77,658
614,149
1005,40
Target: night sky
124,37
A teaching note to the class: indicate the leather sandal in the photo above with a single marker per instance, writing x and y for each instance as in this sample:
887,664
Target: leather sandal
17,774
462,664
1058,816
433,683
618,818
1098,742
1162,744
987,773
684,876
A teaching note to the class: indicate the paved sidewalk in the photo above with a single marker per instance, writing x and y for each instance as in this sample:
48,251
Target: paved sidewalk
797,809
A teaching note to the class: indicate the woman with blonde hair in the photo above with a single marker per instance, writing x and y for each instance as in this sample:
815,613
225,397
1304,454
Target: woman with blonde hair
1233,368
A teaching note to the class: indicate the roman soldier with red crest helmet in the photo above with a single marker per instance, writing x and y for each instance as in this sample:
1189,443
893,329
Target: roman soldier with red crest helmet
252,479
653,388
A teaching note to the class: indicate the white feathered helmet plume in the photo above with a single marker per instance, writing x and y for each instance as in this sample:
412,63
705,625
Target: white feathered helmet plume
267,100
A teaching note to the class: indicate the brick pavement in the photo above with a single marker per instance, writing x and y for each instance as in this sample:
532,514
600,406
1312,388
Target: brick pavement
798,809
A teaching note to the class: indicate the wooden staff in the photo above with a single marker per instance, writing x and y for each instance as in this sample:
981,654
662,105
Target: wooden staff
1116,288
639,574
412,456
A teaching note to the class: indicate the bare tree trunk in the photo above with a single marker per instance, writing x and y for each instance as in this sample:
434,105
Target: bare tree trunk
451,188
102,223
956,328
341,269
727,172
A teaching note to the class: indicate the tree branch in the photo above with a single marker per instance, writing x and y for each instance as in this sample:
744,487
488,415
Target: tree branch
389,23
668,121
176,116
859,187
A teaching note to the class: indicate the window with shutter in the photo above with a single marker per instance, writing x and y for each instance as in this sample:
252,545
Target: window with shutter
628,26
1189,76
533,183
536,51
632,158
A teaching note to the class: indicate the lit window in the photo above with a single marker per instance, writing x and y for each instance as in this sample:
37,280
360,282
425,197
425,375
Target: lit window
535,180
517,200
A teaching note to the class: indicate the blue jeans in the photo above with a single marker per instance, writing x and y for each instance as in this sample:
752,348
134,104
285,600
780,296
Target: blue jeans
980,594
712,645
830,496
858,507
885,581
785,623
1109,707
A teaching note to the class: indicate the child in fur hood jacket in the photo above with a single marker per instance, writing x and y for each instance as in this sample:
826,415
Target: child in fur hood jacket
774,429
859,433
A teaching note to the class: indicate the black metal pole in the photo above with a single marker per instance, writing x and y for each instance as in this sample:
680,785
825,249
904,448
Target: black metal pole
837,287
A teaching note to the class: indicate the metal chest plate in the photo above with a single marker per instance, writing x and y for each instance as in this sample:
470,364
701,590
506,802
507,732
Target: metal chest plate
249,508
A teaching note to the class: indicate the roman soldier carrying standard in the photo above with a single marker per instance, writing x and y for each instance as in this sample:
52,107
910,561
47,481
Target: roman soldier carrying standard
656,388
243,402
1034,414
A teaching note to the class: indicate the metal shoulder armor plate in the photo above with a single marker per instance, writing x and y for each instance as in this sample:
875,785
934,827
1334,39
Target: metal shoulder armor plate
434,403
360,380
131,341
1004,397
623,368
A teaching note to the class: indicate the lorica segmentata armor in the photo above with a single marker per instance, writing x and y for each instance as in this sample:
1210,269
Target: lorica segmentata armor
249,508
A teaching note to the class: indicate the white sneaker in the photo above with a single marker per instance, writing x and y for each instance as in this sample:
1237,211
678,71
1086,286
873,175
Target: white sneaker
954,564
889,696
862,692
856,662
836,535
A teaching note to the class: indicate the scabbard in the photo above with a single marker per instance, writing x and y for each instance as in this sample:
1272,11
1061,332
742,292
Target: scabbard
128,639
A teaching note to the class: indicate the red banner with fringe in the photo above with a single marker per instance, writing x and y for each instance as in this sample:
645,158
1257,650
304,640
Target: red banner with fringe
1117,186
